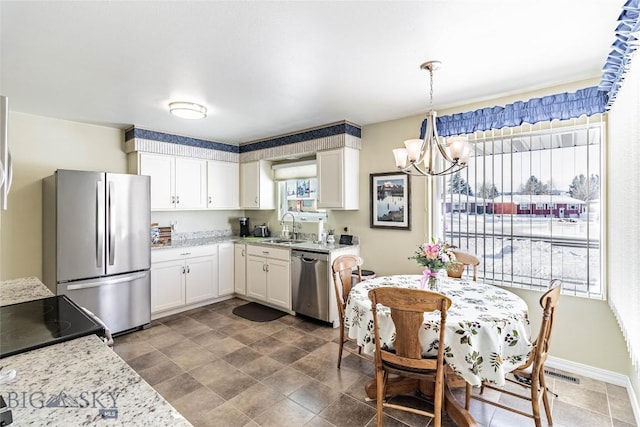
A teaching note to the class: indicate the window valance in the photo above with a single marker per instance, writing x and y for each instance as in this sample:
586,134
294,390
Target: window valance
625,44
560,106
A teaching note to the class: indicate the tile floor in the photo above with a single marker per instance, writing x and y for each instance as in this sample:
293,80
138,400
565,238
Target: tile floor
218,369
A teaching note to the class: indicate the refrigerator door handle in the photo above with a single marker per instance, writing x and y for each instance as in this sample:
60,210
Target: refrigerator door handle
99,223
112,225
128,278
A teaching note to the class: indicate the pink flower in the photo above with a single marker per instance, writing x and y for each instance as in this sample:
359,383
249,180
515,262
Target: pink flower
432,251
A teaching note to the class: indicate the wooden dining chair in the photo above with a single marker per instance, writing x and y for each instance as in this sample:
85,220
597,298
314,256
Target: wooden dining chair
463,260
531,373
342,268
407,313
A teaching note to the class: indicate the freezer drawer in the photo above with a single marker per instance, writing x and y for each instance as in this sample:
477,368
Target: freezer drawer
123,302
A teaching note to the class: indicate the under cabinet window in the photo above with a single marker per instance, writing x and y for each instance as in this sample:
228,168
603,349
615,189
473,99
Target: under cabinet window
300,198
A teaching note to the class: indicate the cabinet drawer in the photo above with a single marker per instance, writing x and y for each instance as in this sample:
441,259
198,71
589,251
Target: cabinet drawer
158,255
269,252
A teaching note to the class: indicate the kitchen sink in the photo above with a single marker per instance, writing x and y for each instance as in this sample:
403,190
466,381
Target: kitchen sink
284,241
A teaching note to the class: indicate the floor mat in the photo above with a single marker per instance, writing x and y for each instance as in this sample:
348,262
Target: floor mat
257,312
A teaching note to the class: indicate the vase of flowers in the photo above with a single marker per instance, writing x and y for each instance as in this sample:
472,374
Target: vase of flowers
435,257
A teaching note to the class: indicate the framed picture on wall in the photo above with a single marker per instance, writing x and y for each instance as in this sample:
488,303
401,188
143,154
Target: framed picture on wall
390,194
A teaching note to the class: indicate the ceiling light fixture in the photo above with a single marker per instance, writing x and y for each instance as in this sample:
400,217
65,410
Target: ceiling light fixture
188,110
419,155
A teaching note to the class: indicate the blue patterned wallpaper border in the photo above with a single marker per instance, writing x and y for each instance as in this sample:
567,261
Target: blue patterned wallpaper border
321,132
175,139
340,128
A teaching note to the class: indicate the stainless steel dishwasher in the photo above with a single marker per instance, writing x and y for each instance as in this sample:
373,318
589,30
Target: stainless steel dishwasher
310,284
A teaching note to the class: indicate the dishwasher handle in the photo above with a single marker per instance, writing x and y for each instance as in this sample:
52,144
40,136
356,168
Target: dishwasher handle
309,257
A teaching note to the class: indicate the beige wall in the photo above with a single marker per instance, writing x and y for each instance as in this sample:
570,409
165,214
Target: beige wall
39,146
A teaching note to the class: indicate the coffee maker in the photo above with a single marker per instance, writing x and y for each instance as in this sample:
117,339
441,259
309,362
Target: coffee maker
244,227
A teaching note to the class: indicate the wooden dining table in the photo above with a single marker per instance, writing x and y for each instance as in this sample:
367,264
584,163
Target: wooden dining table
487,332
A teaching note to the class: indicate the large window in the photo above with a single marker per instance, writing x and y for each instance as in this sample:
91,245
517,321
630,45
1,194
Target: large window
532,196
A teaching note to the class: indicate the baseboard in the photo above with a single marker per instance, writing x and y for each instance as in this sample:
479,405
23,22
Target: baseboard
587,371
600,375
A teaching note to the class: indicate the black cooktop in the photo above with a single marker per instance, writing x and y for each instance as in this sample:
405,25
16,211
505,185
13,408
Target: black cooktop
33,324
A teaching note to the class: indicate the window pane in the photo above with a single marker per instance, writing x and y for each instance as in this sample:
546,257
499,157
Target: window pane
299,197
528,205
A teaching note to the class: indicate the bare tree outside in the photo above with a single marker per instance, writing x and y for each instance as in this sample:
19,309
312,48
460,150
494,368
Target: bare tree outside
585,189
487,190
534,186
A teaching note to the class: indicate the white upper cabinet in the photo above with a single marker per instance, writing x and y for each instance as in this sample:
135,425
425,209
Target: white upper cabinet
191,183
256,185
222,185
176,182
161,169
338,181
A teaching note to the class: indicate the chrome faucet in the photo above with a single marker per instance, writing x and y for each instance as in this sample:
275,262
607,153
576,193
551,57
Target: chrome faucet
293,224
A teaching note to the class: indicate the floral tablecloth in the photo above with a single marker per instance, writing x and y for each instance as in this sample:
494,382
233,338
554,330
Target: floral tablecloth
487,333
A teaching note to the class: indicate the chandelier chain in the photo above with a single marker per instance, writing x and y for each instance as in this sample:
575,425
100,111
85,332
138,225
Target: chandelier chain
431,89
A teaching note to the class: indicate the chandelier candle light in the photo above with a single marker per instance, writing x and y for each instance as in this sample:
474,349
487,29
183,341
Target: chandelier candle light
419,155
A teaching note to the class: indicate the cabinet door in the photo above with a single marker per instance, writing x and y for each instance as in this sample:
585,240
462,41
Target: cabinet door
279,283
202,278
225,269
256,277
257,189
338,178
330,177
167,285
223,187
190,183
249,185
161,170
240,269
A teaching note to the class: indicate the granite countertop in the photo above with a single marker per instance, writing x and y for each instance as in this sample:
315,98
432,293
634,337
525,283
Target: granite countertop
21,290
200,241
78,382
264,241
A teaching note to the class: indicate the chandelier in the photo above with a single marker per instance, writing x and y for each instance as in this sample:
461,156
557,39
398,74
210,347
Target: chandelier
420,156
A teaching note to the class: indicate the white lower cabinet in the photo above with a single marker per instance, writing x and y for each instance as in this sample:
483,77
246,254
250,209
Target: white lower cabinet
268,277
188,277
201,274
225,269
257,277
240,268
165,294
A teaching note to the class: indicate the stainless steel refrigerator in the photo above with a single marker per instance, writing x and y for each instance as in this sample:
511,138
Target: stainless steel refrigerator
96,244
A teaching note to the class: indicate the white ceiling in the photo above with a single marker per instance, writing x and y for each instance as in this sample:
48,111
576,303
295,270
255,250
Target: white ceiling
264,68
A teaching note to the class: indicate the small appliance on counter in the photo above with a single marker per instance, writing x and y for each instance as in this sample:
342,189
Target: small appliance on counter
346,239
261,231
244,227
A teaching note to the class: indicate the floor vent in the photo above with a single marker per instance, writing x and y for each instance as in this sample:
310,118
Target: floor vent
562,376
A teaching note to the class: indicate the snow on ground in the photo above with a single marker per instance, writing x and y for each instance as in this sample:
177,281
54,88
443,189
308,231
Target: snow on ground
541,249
